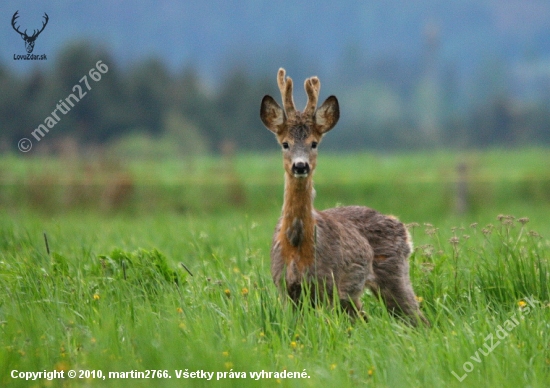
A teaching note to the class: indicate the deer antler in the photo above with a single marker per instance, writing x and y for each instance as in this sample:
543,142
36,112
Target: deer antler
46,17
312,86
24,34
285,86
13,19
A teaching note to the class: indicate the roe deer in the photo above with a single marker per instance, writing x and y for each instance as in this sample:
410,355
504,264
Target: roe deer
342,250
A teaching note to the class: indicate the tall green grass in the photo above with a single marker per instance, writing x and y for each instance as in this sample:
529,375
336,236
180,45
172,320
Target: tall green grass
112,295
80,308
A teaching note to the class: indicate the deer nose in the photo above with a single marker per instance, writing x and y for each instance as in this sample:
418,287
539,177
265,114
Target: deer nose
300,169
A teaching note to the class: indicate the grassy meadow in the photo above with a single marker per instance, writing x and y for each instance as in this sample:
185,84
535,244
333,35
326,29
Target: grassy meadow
109,294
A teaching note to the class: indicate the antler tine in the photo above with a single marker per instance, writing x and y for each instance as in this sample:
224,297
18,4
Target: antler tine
47,18
13,21
312,86
285,86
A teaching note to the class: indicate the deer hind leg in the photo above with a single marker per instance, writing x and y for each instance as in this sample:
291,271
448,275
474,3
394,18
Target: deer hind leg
394,287
350,290
354,308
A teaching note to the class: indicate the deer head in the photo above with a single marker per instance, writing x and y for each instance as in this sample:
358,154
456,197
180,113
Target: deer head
29,40
299,133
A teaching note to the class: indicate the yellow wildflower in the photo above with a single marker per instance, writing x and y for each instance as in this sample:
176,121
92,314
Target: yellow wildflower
61,366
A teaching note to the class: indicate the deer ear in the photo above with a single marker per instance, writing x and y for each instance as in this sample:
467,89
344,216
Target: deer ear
272,115
327,115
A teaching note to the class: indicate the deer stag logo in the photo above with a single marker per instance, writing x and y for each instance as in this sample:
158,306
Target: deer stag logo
29,40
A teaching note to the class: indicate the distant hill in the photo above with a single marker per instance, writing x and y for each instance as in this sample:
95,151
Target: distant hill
303,36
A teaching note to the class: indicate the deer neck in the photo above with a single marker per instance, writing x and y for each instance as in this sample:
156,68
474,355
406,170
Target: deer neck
297,235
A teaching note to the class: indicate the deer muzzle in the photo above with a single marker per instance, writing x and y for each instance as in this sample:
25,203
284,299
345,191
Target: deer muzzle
300,169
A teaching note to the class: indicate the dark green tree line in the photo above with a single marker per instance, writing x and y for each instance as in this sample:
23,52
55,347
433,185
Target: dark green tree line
378,112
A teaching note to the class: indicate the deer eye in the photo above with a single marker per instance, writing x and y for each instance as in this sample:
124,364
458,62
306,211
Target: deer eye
314,145
285,145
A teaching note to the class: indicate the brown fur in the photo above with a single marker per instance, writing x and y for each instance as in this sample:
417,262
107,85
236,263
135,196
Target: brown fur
343,250
296,234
